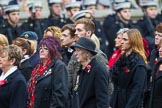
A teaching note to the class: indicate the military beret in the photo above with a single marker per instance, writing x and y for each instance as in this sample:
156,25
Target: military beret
73,4
145,3
29,35
11,8
82,14
54,1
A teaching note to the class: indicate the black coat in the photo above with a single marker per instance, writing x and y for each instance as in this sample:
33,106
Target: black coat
130,79
156,93
14,93
51,90
10,31
93,87
26,69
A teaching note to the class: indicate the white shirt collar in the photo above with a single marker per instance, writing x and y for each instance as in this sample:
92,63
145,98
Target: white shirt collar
10,71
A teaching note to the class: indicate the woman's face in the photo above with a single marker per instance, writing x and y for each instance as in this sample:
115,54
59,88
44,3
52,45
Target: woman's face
5,63
44,53
118,41
125,43
81,55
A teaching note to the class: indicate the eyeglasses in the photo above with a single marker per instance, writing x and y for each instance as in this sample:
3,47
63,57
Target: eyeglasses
43,48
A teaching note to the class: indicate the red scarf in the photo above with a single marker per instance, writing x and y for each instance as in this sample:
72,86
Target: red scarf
36,73
115,56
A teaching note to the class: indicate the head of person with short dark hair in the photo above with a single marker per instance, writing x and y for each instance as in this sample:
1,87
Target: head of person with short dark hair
84,27
68,35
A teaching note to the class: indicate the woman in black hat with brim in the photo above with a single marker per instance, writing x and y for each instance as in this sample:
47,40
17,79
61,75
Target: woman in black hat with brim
91,88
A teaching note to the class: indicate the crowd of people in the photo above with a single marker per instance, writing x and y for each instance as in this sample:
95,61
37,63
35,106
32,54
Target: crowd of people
77,62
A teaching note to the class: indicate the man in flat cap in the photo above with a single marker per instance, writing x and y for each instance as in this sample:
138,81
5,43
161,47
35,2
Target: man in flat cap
35,22
114,22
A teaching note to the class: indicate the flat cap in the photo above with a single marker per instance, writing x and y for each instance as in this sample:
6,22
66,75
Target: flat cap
54,1
122,5
89,2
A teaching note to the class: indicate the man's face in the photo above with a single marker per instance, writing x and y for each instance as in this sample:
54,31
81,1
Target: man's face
13,17
66,38
38,13
125,14
151,12
74,10
81,32
158,37
56,9
92,8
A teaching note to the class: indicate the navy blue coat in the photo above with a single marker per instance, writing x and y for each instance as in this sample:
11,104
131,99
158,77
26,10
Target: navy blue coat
93,87
14,93
51,90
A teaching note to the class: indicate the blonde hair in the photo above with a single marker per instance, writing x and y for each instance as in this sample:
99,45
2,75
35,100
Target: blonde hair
56,32
3,40
136,42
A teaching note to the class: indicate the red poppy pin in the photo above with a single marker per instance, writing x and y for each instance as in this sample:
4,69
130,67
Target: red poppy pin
3,82
126,70
88,68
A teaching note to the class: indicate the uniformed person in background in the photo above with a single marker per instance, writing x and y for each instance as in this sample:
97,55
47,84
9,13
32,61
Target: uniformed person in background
56,18
9,27
35,22
148,22
99,32
71,9
114,22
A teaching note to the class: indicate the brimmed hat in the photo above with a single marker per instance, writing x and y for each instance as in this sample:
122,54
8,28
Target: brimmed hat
82,14
29,35
145,3
11,8
87,44
75,4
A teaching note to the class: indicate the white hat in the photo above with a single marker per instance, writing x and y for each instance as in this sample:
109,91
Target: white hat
89,2
82,14
122,5
119,1
4,2
148,3
104,2
36,4
55,1
73,4
11,8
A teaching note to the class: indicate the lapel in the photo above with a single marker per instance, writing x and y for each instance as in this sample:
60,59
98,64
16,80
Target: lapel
47,72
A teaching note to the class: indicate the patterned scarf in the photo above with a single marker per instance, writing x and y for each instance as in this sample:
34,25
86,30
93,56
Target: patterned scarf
36,73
